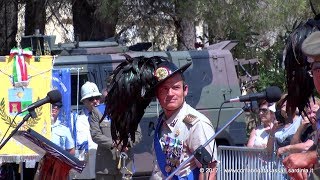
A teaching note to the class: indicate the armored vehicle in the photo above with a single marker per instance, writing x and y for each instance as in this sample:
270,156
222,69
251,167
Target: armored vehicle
212,79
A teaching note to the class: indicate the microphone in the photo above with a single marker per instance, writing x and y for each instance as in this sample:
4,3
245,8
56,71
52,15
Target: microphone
271,94
52,97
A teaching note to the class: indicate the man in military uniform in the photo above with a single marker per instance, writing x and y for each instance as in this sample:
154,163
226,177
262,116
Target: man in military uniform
61,134
111,164
181,129
85,147
311,48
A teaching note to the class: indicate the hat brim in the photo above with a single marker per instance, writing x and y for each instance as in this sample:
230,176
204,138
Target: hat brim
181,70
151,93
90,95
311,45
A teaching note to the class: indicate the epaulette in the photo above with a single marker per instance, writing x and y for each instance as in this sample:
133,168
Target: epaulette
190,119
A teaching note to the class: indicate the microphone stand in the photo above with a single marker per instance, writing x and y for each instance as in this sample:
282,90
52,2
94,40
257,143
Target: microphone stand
202,152
31,114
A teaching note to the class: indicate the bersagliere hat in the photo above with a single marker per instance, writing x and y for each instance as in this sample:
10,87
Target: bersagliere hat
164,71
167,69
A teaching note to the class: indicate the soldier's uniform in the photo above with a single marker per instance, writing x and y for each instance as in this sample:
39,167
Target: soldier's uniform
107,157
178,137
61,135
85,147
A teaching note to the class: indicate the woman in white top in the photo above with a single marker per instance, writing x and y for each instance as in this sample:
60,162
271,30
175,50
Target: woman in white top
285,126
259,135
282,132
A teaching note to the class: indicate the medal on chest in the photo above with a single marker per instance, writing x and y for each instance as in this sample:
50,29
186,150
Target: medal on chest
172,149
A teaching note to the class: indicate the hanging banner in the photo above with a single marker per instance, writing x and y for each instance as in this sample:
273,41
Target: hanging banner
23,81
61,80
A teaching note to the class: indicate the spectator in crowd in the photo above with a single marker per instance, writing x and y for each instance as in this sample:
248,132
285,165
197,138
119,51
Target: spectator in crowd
181,129
311,48
284,127
283,130
303,139
61,134
85,147
260,134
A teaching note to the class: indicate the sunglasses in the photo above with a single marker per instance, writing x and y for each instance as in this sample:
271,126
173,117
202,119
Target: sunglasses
93,98
263,110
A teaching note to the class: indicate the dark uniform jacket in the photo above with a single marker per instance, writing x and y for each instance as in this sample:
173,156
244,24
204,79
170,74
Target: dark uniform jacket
107,157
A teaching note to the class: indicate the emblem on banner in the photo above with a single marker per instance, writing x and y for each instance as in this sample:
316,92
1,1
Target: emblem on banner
19,99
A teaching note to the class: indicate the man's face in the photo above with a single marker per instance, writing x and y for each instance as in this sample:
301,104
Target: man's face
316,75
55,111
171,93
91,102
311,112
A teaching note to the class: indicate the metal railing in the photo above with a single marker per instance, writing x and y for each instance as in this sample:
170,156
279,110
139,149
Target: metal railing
237,163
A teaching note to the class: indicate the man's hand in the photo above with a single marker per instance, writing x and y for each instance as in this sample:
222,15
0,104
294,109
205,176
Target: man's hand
305,123
282,150
271,129
120,147
297,161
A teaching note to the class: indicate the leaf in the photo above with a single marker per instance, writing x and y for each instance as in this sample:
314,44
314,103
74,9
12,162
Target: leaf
4,116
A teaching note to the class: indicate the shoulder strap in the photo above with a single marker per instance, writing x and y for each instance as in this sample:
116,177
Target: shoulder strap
190,119
161,157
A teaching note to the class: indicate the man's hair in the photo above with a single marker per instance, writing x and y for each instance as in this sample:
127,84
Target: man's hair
282,100
313,100
183,81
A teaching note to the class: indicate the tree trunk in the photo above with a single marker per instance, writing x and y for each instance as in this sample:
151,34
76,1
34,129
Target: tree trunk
8,26
89,24
35,16
185,24
186,36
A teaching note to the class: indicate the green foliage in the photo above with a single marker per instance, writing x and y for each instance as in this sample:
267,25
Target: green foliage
271,68
271,78
260,27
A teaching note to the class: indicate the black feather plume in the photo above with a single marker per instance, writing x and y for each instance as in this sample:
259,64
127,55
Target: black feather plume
126,97
299,82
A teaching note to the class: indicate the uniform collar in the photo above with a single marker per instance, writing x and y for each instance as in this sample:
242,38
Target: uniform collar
176,117
57,123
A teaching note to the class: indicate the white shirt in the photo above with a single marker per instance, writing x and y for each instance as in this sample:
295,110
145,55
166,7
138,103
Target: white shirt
83,134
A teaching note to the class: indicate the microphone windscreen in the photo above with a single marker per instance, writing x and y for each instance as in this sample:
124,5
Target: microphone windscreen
273,94
55,96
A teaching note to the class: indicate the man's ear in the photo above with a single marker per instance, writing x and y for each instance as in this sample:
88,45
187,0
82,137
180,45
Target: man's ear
185,87
185,90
